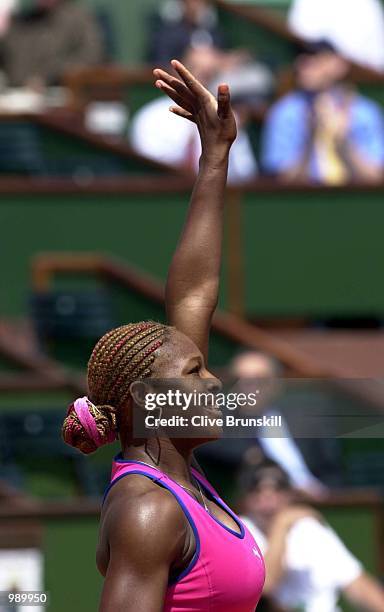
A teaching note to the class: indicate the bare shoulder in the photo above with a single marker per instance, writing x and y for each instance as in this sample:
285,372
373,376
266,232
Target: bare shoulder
139,512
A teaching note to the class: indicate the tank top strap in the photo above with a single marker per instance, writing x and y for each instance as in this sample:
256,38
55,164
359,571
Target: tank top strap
123,467
202,480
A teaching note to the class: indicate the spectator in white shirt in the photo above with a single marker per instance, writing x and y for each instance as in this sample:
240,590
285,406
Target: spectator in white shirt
307,565
355,27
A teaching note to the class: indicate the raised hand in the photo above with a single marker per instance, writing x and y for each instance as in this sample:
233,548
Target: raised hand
214,117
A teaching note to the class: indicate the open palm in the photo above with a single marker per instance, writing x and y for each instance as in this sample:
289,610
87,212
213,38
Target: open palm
213,116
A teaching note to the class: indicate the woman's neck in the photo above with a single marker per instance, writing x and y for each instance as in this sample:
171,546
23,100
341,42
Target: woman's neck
162,454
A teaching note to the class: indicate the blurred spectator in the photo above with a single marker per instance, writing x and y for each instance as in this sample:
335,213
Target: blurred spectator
251,369
6,9
307,564
158,134
355,27
324,131
180,24
45,39
21,569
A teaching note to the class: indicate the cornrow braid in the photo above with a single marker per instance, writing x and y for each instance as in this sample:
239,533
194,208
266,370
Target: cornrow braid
121,356
131,362
110,344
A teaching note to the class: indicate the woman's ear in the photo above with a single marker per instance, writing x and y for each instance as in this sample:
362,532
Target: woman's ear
140,392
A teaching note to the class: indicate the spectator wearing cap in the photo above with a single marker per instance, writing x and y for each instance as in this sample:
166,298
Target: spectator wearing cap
324,132
355,27
307,565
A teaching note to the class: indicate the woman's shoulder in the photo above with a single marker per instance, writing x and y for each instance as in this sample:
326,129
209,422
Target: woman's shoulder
135,495
138,511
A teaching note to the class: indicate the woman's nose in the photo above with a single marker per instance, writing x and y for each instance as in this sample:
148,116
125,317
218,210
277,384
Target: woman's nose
213,384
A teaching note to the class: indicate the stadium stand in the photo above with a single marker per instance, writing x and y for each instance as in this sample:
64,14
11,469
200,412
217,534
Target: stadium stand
80,256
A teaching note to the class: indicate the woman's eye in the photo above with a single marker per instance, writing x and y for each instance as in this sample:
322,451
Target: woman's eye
195,370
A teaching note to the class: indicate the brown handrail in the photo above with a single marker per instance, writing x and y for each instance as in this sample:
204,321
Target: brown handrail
104,76
111,186
164,184
35,509
28,509
229,325
82,507
39,369
28,382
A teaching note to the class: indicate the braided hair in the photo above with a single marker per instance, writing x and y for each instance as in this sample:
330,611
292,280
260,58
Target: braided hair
121,356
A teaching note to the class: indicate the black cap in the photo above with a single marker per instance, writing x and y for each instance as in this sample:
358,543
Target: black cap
267,472
322,45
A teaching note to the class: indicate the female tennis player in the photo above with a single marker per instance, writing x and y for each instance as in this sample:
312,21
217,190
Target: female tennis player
167,541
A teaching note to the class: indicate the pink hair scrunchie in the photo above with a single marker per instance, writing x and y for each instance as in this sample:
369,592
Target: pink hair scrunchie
81,407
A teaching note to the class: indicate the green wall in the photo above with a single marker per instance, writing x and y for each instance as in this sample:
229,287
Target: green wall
308,254
72,579
142,229
314,253
128,19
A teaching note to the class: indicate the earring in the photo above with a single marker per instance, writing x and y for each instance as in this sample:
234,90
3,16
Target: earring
155,427
148,452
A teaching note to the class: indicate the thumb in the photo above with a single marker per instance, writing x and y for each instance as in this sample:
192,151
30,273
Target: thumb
223,101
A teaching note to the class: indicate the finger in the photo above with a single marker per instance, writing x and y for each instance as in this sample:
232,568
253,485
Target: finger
174,95
177,110
223,101
191,82
172,81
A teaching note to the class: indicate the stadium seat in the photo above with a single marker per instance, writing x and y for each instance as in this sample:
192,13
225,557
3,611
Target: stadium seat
31,436
68,314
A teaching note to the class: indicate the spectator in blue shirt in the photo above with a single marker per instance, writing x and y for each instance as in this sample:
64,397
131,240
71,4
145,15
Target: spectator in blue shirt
324,131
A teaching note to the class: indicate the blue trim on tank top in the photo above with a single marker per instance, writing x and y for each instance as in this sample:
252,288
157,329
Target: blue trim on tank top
119,459
224,506
184,508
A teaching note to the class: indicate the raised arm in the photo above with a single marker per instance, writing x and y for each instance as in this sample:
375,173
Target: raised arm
366,592
193,278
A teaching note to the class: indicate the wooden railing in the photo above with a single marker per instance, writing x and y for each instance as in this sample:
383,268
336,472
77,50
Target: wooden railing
45,266
166,184
41,373
34,508
31,510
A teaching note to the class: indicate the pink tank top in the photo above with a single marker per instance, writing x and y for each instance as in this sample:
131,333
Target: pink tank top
226,573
